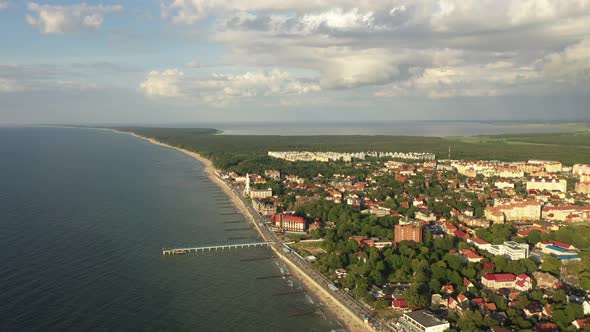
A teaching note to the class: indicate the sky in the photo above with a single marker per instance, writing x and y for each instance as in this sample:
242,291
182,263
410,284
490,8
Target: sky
192,61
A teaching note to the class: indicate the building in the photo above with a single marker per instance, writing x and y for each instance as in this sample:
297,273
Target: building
479,243
471,256
272,174
263,208
529,210
510,249
546,281
567,213
550,166
282,222
521,282
425,214
503,184
580,169
546,183
582,187
408,232
422,321
260,193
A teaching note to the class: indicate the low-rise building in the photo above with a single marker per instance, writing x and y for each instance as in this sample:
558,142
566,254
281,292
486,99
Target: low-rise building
422,321
529,210
546,183
545,280
566,213
521,282
287,223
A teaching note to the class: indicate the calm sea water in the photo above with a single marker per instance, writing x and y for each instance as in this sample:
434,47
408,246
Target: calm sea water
83,217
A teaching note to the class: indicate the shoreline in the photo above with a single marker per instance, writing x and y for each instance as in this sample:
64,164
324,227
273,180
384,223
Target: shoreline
331,305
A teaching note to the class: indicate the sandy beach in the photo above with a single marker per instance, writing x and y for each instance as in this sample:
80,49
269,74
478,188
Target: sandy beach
334,308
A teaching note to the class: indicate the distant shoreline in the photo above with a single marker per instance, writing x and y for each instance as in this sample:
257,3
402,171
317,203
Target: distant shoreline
349,321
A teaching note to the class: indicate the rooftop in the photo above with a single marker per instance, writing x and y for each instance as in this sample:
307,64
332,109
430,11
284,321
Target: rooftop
425,318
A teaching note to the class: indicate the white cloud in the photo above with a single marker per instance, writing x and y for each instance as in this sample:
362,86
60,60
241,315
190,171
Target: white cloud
49,19
428,48
221,89
9,86
164,83
493,79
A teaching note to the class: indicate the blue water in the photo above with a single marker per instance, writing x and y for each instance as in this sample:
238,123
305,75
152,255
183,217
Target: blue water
83,217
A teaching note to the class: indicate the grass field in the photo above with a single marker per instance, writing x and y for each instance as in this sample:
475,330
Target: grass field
569,148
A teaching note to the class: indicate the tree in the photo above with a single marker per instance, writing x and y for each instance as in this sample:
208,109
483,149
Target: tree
551,264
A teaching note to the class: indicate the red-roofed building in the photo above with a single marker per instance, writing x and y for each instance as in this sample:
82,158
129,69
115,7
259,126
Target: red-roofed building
471,256
546,327
399,304
498,280
287,223
449,289
479,243
467,283
522,282
580,323
462,298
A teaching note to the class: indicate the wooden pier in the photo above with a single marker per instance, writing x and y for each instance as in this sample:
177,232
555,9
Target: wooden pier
181,251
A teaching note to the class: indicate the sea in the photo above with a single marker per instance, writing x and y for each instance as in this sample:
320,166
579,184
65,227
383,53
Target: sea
84,215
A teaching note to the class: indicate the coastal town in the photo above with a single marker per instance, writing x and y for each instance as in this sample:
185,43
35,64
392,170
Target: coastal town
427,244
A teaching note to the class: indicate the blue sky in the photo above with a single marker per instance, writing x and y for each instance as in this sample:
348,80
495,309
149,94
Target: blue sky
174,61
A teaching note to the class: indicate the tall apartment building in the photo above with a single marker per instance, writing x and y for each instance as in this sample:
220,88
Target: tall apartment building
408,232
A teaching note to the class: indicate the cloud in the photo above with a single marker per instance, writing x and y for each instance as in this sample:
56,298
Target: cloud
572,64
220,89
162,83
50,19
9,86
493,79
4,4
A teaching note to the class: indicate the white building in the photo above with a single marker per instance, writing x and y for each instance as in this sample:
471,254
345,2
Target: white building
510,249
546,183
422,320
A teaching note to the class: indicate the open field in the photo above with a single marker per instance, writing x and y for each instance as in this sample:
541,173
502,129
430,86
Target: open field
568,148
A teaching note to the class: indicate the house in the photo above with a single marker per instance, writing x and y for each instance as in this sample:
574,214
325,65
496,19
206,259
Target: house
533,309
581,323
546,327
471,256
448,289
546,281
452,303
479,243
523,282
422,321
586,306
467,283
438,300
341,273
462,298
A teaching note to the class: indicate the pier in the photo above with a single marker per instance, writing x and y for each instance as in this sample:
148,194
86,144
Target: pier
187,250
